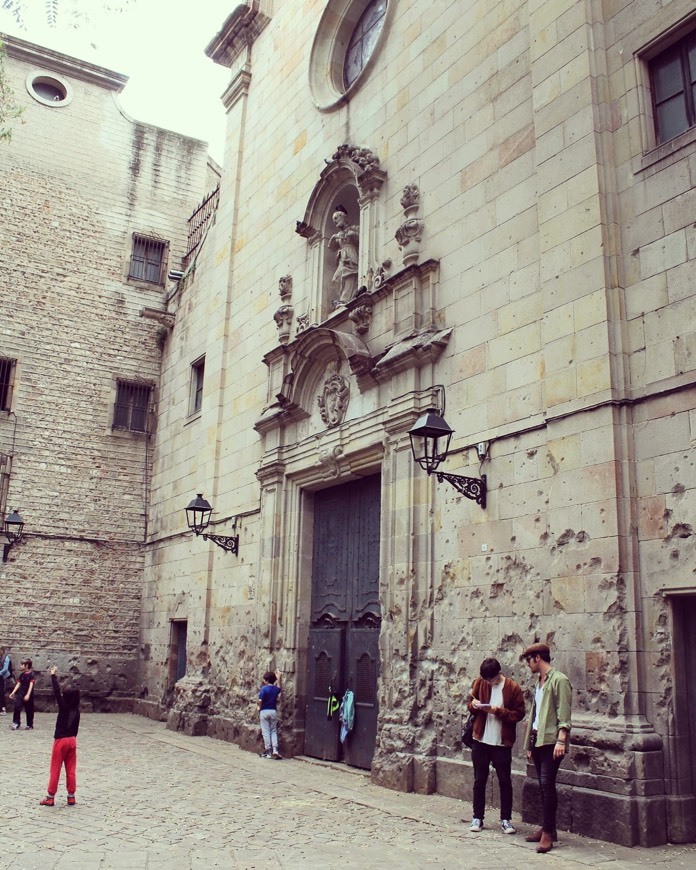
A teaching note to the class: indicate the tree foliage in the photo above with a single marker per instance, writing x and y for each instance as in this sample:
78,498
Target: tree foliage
70,13
9,109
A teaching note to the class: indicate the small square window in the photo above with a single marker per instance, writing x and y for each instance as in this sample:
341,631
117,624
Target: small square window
148,259
673,86
197,377
7,368
132,405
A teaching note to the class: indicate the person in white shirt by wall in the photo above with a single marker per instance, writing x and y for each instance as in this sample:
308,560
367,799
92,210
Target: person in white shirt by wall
498,705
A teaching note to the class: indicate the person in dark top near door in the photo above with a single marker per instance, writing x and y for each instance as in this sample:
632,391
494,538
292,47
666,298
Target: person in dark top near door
64,742
25,687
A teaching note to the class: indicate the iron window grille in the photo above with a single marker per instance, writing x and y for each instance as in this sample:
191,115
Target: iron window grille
132,406
198,224
148,259
673,86
7,367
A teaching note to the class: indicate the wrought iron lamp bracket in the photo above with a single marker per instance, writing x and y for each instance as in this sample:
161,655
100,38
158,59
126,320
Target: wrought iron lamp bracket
473,488
229,543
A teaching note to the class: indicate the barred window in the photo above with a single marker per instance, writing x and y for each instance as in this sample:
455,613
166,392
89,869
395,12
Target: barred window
197,376
673,84
131,408
148,259
7,367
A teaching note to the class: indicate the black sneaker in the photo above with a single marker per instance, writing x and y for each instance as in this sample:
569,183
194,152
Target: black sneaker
264,755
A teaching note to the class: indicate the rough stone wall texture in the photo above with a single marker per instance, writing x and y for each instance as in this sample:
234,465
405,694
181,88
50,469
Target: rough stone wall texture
565,252
77,181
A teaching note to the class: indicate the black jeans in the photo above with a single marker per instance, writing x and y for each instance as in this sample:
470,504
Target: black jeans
28,706
482,756
547,769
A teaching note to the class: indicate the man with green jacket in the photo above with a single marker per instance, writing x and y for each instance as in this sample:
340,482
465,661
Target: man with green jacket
548,735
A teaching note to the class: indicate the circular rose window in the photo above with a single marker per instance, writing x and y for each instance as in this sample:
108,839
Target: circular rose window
50,90
347,42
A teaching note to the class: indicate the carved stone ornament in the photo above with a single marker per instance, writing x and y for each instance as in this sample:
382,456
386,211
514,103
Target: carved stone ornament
410,199
380,274
283,319
328,459
302,322
409,236
333,400
285,288
361,314
362,157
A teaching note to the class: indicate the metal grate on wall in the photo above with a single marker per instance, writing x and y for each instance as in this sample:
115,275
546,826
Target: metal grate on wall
7,367
148,259
198,223
131,411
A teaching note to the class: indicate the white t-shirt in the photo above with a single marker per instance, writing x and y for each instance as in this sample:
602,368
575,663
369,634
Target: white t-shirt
538,695
493,732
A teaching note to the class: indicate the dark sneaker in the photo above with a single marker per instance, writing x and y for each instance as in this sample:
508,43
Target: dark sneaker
507,827
28,727
48,801
476,825
71,800
264,755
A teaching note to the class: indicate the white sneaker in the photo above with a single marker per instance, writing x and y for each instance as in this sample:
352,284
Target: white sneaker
507,827
476,825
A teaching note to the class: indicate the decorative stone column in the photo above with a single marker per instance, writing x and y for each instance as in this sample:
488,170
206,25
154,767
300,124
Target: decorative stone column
410,233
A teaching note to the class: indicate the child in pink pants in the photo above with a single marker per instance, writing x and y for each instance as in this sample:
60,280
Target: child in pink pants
64,743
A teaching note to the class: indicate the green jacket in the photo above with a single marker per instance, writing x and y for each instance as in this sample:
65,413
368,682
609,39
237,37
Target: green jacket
554,713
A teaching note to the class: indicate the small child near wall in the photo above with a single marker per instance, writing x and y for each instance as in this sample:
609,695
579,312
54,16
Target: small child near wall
268,714
64,743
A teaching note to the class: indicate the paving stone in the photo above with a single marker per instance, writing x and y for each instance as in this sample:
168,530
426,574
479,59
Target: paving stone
150,799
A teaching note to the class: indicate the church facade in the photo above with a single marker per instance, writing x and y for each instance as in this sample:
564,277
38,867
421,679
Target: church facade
488,212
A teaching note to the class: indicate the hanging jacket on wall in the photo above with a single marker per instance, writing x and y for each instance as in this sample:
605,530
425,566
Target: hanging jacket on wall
346,714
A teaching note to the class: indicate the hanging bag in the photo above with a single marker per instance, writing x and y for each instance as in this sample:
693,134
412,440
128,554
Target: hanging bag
468,731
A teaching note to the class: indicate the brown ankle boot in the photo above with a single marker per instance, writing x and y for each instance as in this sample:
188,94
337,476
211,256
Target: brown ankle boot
546,843
536,836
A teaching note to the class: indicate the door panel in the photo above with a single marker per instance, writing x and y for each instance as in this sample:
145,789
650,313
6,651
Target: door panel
325,675
345,618
362,672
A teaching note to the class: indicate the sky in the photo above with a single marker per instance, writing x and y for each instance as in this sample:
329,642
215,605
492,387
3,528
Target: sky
158,44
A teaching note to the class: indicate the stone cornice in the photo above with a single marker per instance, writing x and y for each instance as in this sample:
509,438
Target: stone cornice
237,88
45,58
239,31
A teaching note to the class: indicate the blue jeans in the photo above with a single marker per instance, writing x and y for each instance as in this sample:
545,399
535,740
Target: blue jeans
269,729
547,769
482,756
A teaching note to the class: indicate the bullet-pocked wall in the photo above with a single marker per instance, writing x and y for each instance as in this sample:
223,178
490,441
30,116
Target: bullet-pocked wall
525,239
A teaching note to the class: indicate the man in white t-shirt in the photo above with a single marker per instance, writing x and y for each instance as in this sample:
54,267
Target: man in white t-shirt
498,704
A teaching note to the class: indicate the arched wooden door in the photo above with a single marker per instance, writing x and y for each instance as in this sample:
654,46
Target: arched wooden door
345,620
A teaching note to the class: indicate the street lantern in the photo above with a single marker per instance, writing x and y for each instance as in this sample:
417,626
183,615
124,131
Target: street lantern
430,440
198,514
13,527
198,517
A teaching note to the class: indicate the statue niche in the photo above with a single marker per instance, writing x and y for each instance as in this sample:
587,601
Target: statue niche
345,241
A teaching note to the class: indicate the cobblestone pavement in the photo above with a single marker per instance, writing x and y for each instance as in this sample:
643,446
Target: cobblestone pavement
151,799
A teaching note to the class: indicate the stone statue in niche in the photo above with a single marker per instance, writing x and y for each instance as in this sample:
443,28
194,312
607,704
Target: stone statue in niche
345,240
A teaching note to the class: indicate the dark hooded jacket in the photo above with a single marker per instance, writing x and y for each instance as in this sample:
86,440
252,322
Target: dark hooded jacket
68,721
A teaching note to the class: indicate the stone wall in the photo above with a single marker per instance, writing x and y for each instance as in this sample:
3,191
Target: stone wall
77,181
